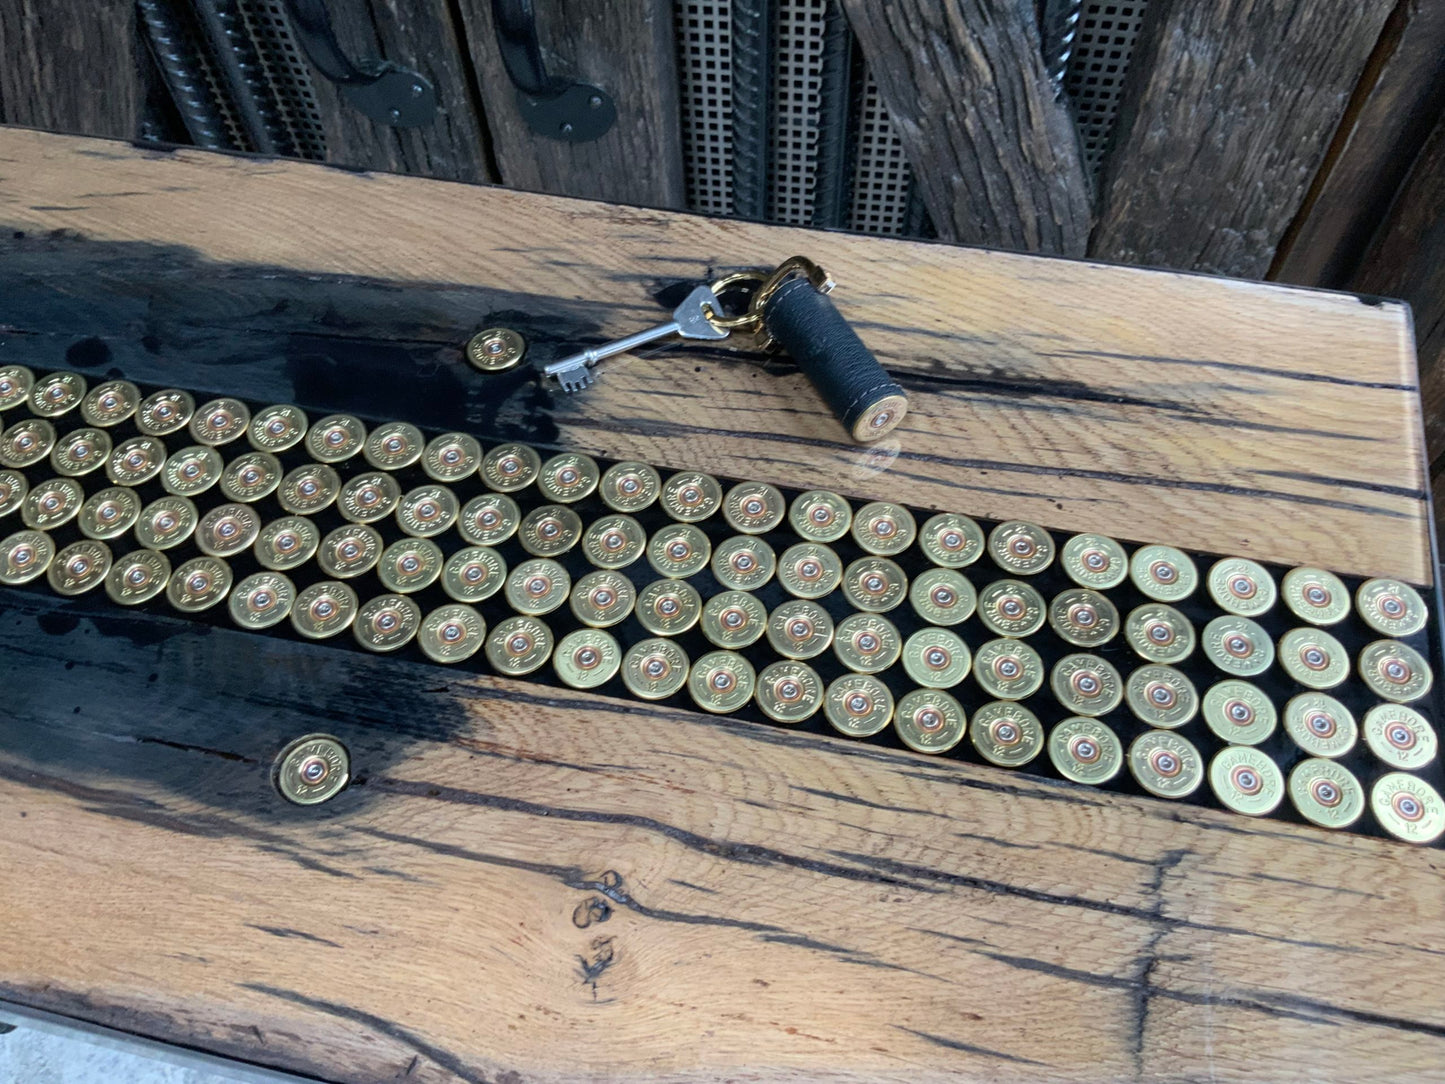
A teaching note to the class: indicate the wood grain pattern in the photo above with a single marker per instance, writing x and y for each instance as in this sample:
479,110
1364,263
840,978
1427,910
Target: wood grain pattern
532,884
1400,95
417,34
529,884
1278,423
626,47
994,155
71,66
1220,135
1407,259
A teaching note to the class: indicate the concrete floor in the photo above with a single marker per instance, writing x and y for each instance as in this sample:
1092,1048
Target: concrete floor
42,1049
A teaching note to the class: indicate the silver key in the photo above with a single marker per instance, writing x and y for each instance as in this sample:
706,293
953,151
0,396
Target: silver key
689,321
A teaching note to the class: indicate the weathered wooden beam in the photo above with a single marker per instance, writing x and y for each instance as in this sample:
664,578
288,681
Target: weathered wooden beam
994,154
1230,108
1407,260
1389,119
541,885
421,35
528,883
70,66
1069,394
626,47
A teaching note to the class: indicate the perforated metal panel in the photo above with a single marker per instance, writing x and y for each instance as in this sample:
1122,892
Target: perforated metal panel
187,66
287,74
865,187
798,38
235,74
704,34
1095,76
881,174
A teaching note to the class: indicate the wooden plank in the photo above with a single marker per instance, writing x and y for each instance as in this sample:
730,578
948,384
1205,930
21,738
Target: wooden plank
1278,423
1401,93
626,47
530,883
534,884
994,154
1225,121
1407,259
70,66
421,35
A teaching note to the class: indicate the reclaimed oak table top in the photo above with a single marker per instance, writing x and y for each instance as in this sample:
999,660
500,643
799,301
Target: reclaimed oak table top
527,883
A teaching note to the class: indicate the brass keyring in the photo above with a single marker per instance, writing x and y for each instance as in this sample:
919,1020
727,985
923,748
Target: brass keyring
793,265
751,320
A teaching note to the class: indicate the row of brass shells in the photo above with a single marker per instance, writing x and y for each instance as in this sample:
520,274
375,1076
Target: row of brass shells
1162,573
935,658
867,641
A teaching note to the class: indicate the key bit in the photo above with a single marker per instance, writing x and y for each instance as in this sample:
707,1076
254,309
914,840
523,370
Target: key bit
690,320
